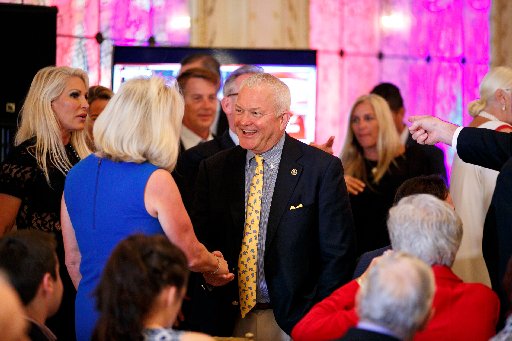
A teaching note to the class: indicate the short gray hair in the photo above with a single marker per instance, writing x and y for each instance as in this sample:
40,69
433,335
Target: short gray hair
281,97
397,294
229,84
426,227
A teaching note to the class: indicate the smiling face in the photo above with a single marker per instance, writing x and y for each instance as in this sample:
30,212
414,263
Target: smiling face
365,126
256,123
200,105
71,107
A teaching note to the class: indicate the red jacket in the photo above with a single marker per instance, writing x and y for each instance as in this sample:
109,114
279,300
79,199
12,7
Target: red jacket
462,311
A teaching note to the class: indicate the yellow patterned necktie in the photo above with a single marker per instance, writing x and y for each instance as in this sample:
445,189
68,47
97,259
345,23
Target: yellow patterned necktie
247,262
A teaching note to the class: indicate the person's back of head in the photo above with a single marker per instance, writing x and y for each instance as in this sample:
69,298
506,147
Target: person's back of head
229,84
141,123
397,294
425,184
139,269
425,227
29,259
200,60
391,93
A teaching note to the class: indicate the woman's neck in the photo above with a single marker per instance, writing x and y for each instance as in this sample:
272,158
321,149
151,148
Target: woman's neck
66,137
371,154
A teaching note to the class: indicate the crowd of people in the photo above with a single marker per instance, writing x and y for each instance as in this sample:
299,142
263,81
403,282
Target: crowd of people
118,208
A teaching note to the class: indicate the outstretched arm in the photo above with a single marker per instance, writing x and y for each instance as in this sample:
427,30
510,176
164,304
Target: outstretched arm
431,130
163,200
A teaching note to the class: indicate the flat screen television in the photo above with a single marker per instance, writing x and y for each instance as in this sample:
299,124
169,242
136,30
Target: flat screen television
297,68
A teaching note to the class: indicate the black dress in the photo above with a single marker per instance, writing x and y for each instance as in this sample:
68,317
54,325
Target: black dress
21,177
370,207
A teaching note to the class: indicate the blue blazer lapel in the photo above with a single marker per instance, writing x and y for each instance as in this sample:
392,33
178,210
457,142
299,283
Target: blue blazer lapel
288,176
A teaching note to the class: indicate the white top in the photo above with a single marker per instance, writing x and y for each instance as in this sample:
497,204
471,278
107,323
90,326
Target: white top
190,139
471,188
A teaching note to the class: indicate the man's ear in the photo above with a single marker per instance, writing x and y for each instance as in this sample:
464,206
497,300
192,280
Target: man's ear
284,118
225,102
47,283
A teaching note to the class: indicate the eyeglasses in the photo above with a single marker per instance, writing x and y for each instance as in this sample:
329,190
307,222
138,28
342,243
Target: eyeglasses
233,94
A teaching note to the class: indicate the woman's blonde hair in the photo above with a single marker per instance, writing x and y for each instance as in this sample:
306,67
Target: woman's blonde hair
142,122
39,121
388,142
497,78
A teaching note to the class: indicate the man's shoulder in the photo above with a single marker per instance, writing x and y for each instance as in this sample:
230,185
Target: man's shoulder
226,155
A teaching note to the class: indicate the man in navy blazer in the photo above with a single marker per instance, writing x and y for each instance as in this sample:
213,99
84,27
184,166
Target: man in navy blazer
305,242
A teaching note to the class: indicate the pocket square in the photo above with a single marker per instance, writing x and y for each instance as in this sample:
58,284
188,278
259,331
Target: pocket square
295,207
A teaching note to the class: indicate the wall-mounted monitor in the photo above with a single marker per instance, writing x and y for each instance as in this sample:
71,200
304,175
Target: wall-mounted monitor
297,68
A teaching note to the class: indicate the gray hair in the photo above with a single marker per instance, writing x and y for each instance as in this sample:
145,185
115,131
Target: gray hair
229,84
397,294
426,227
281,97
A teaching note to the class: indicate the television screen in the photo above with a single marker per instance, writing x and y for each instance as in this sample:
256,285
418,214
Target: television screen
297,68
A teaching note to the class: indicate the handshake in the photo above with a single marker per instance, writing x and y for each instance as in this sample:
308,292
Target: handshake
221,276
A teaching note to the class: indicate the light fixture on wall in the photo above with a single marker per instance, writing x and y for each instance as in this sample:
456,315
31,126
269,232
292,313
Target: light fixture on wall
179,22
395,21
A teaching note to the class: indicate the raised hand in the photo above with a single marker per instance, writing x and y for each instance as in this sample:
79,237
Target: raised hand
326,147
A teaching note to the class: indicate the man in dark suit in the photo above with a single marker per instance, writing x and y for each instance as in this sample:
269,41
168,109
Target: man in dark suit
434,157
185,173
395,299
490,149
305,231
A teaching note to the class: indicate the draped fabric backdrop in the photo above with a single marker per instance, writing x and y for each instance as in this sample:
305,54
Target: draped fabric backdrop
436,51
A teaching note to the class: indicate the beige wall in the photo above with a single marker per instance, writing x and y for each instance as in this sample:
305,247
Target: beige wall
501,33
250,23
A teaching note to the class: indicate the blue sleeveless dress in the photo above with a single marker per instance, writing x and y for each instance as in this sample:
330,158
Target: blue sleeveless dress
105,201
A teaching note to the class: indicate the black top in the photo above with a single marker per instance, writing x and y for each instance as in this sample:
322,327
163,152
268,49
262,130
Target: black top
21,177
370,208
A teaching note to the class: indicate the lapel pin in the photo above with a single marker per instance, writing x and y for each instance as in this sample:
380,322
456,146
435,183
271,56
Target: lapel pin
294,172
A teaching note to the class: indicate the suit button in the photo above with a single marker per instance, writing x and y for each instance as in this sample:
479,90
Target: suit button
234,303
